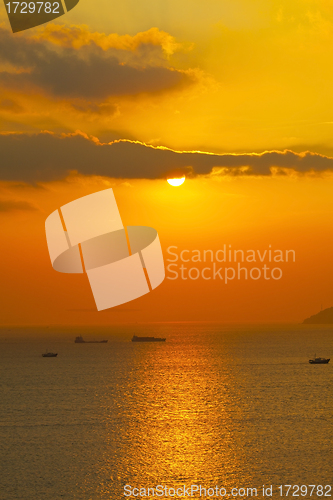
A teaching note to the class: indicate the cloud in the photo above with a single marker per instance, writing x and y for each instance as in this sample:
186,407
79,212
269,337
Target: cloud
10,106
78,36
11,206
47,156
89,73
94,108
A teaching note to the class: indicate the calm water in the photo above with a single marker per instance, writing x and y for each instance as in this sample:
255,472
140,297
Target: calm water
214,405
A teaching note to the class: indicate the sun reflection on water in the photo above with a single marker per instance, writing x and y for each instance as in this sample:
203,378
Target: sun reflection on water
179,424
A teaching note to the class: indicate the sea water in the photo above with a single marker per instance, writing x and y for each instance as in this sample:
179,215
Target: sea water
215,405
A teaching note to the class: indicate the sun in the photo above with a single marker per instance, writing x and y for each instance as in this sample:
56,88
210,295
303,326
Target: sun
177,181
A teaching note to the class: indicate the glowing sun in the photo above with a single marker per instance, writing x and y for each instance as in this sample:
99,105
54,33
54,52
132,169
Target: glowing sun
176,182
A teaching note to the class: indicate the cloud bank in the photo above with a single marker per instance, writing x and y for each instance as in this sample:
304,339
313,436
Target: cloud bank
47,157
102,67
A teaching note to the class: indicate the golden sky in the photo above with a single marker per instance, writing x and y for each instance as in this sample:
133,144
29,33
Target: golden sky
235,94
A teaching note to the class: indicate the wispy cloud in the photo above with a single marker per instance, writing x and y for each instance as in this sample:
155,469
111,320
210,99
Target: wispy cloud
13,206
78,36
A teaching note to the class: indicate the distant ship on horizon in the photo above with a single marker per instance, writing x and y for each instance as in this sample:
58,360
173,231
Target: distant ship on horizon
79,340
50,354
147,339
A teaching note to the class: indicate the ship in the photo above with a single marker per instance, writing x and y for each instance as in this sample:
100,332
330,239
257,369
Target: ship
147,339
50,354
79,340
319,361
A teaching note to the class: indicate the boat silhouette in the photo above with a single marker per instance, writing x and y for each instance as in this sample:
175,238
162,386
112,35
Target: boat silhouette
79,340
147,339
319,361
50,354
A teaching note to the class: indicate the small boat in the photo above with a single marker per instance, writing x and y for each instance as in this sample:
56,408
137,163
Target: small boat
147,339
79,340
50,354
318,361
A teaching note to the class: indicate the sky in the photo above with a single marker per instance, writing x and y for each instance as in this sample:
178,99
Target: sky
235,95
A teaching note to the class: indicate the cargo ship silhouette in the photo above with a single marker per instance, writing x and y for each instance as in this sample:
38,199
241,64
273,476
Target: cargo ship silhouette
147,339
79,340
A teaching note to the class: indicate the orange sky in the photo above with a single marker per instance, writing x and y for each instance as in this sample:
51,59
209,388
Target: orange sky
201,214
103,98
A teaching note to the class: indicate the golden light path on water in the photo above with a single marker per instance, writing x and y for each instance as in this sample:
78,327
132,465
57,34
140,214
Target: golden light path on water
228,405
180,428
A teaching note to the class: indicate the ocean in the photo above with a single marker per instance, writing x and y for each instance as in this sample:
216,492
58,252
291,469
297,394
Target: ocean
231,407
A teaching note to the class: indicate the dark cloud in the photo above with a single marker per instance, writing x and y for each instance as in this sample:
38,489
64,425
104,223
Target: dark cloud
90,73
46,156
11,106
94,108
11,206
